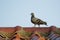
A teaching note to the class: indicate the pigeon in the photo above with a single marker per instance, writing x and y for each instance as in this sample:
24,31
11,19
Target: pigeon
37,21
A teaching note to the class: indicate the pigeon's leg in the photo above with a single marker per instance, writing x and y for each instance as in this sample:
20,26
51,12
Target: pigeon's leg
34,25
38,25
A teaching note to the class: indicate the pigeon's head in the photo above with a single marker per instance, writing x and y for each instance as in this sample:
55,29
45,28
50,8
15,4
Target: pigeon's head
32,13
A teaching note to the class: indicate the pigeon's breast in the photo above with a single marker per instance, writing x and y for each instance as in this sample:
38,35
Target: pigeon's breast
34,19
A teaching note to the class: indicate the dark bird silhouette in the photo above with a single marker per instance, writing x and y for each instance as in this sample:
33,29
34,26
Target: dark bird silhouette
37,21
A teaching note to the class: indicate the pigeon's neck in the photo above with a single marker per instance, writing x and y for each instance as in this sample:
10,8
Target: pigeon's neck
32,16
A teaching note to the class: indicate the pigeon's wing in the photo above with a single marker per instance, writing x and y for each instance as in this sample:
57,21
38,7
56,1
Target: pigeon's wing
36,20
39,20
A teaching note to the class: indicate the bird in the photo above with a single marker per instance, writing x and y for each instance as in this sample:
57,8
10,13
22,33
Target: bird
37,21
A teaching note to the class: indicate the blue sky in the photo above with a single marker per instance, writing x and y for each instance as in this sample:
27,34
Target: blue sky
17,12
